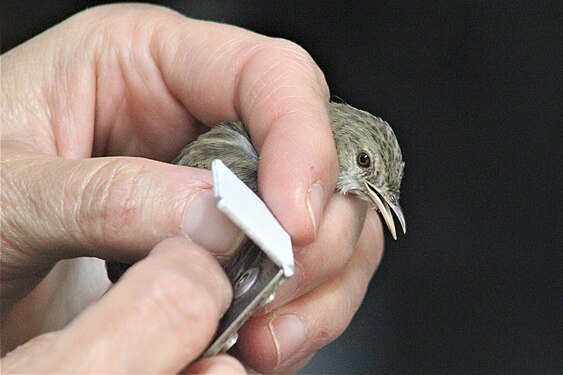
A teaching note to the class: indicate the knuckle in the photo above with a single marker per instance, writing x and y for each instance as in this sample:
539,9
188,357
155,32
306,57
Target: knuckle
288,56
110,199
290,49
280,62
348,290
343,236
300,59
332,325
120,196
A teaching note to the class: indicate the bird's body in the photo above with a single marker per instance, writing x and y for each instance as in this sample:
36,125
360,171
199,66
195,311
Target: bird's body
355,132
369,158
230,142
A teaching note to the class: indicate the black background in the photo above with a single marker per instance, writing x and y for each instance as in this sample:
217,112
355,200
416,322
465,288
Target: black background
472,90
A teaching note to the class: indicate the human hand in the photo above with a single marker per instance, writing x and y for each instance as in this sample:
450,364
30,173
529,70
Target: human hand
158,318
141,81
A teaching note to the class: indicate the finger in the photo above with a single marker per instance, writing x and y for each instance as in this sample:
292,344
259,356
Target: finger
219,364
284,337
101,93
158,318
111,208
293,369
30,357
64,292
298,366
338,235
222,72
216,72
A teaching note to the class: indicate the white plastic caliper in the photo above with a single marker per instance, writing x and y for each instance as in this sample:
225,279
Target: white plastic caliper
255,280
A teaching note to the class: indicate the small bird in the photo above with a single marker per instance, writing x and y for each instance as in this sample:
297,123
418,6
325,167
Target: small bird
369,157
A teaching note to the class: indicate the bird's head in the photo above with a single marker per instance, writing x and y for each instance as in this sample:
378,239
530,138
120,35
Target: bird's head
371,164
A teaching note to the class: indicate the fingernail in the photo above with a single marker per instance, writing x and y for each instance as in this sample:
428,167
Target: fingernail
289,335
206,225
315,203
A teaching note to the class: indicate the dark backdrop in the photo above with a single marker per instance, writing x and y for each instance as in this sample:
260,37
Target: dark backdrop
472,90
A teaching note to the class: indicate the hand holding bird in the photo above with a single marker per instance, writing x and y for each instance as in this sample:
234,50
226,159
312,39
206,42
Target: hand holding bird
82,181
370,166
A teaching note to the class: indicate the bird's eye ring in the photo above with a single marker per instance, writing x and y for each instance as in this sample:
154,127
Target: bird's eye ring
363,160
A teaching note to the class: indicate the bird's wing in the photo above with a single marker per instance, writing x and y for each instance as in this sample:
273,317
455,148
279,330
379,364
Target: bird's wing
228,141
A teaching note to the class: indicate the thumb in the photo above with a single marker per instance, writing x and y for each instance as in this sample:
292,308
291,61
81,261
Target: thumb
158,318
115,208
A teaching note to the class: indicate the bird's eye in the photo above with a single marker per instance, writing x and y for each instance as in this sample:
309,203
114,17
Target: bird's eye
363,160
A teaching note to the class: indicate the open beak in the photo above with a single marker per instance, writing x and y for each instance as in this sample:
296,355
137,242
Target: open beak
385,205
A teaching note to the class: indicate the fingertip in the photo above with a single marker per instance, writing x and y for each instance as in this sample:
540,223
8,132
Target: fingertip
299,208
220,364
289,124
256,347
161,315
297,173
182,254
206,225
273,342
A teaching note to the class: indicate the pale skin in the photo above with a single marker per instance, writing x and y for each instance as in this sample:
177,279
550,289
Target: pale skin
139,82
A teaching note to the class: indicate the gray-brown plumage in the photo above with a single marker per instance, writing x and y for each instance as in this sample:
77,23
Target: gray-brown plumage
369,157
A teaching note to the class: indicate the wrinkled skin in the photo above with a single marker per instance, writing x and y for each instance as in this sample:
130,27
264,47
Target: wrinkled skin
85,106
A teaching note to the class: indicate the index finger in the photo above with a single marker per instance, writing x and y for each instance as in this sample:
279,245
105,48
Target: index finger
222,72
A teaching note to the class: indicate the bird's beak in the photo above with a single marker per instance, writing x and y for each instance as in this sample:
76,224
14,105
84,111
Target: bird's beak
382,202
